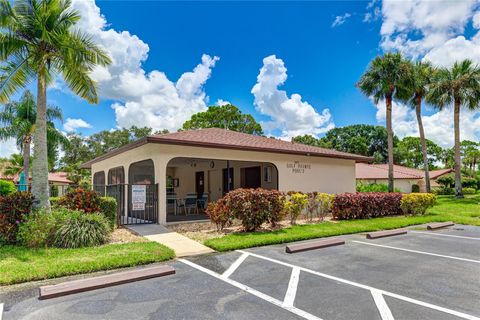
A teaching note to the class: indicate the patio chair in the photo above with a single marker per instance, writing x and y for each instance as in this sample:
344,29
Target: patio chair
173,202
189,203
203,201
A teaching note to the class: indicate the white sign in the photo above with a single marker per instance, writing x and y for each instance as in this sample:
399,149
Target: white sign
139,197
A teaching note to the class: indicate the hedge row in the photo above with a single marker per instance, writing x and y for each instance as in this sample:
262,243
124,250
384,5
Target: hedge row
254,207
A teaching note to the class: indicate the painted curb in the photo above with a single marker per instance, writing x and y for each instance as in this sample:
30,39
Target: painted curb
312,245
386,233
76,286
439,225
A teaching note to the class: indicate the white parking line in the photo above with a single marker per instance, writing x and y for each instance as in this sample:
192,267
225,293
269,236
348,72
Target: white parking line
416,251
252,291
1,310
382,306
292,288
444,235
359,285
234,265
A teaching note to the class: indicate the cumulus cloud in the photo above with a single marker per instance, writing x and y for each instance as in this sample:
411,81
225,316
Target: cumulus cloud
438,126
374,11
221,102
339,20
71,124
142,98
432,31
8,147
291,115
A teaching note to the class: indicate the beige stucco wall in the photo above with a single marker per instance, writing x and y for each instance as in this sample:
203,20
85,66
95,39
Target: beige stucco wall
318,174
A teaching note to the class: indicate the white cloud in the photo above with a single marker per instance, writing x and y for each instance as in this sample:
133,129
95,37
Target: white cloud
221,102
143,98
374,11
71,124
8,147
433,31
438,126
339,20
289,114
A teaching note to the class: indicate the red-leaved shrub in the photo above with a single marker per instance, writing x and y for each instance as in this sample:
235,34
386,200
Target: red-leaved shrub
13,210
366,205
253,207
80,199
219,214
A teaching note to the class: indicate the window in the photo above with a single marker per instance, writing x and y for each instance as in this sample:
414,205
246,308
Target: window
116,176
99,182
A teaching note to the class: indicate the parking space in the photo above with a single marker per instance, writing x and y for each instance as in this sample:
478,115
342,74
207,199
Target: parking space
421,275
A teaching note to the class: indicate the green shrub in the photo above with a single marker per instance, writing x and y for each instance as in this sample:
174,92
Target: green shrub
447,181
444,191
417,203
294,204
7,188
54,202
39,228
81,230
373,187
14,208
468,182
253,207
219,214
415,188
319,205
108,207
469,191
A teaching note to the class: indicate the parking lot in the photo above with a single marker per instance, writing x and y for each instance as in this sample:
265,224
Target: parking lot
420,275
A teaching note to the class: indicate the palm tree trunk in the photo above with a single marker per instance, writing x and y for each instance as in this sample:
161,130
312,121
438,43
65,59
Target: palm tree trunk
388,102
26,159
418,110
40,165
458,160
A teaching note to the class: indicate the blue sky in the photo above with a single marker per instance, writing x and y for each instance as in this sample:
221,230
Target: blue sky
293,65
323,62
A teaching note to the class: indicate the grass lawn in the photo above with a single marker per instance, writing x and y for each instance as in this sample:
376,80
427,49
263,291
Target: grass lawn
21,264
463,211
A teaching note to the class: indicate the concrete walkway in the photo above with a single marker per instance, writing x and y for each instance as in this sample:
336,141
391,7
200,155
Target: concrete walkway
182,245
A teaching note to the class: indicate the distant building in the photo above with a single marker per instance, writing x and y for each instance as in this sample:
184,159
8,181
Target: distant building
58,181
404,177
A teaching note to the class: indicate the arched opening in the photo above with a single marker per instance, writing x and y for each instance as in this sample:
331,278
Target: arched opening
99,182
116,176
193,182
142,193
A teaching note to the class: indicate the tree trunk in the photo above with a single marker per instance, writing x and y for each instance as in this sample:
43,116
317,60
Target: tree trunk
458,160
388,102
40,165
418,110
26,159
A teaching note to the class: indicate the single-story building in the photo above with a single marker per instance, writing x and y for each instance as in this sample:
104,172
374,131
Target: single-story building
162,178
404,177
58,182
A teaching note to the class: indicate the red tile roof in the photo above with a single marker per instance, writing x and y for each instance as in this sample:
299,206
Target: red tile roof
227,139
380,171
60,177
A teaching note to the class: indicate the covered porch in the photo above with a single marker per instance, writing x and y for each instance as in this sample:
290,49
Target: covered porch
191,183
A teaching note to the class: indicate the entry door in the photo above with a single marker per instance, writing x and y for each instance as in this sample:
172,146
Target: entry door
253,177
199,183
225,181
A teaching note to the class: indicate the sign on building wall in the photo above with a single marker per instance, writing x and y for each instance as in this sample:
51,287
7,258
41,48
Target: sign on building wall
298,167
139,197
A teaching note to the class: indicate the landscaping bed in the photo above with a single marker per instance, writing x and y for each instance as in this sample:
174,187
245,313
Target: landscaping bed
462,211
20,264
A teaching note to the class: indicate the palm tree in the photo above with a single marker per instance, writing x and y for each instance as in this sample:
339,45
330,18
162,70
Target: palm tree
458,86
416,84
382,81
18,119
38,41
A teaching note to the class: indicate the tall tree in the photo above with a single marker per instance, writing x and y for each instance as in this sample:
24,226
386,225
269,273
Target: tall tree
18,120
417,83
382,81
227,117
409,152
38,41
458,86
